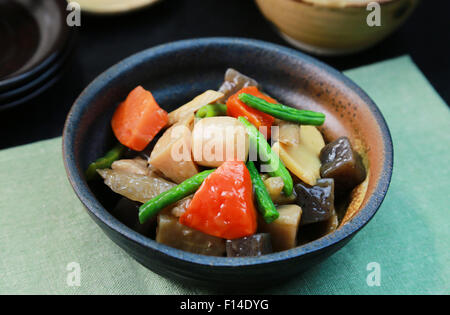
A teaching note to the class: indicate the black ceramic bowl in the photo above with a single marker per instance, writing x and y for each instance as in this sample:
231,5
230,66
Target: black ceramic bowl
177,72
34,35
43,81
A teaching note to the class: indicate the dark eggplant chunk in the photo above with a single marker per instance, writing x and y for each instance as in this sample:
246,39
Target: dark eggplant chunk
234,81
317,202
343,164
255,245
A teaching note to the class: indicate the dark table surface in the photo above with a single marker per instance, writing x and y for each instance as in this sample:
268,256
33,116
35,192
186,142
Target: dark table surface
104,41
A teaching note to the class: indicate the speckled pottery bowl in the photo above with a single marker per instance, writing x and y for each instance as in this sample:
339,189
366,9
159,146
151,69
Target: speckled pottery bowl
177,72
334,27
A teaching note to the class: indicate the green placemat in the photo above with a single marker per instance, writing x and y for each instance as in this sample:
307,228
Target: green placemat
44,228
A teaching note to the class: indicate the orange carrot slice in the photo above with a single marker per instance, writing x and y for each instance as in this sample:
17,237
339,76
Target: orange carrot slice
236,108
138,119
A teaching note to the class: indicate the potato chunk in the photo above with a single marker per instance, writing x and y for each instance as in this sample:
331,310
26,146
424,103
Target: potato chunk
302,159
274,186
172,233
172,153
190,108
284,229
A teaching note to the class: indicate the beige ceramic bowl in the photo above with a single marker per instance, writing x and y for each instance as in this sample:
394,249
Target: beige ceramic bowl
334,27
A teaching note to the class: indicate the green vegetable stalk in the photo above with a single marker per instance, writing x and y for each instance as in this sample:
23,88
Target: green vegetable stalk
104,162
212,111
260,145
265,203
186,188
303,117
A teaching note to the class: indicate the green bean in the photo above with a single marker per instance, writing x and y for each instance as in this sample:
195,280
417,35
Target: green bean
260,145
265,203
303,117
212,111
104,162
186,188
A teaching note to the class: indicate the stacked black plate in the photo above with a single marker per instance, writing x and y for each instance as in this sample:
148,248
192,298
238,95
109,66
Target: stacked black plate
35,45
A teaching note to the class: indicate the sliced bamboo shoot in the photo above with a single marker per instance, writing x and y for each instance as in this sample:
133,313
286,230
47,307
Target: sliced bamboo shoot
303,159
190,108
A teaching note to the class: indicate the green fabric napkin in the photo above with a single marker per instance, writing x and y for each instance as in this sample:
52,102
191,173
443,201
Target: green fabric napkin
44,228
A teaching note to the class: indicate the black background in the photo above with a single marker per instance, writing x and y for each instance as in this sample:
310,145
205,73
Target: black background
104,41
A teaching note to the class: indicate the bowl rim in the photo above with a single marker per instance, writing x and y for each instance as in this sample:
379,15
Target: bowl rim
334,5
95,208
